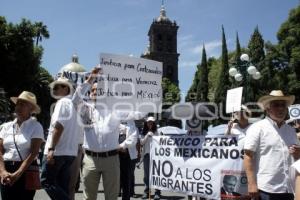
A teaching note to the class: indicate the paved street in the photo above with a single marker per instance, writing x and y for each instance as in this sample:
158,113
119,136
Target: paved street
139,188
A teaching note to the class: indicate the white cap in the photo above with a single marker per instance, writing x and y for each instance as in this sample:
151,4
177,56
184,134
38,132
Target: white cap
150,119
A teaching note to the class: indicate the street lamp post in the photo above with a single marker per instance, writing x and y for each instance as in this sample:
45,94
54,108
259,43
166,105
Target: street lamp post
244,69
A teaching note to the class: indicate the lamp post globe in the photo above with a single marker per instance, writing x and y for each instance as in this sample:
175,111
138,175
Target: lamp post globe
242,72
251,70
256,76
233,71
238,77
244,57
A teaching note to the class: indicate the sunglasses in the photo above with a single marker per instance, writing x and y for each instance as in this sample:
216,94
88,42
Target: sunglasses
56,87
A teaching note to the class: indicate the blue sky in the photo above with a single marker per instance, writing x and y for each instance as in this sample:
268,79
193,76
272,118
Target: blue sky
121,26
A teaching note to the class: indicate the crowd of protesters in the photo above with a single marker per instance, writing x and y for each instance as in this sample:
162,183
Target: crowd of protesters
107,145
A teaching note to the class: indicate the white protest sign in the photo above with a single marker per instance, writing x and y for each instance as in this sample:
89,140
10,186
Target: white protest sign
234,99
76,78
294,111
197,165
130,83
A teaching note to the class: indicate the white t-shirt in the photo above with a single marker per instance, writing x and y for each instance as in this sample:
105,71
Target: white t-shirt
273,160
240,132
66,115
146,141
131,138
28,130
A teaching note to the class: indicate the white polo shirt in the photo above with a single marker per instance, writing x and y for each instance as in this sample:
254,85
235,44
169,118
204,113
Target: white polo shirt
270,144
66,115
28,130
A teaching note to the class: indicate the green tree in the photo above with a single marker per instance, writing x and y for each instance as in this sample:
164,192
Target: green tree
236,60
20,62
289,43
223,80
257,56
213,68
238,51
171,92
171,95
4,106
202,86
41,32
256,48
40,87
192,92
276,70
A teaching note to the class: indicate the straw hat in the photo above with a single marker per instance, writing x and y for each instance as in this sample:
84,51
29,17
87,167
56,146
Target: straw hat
150,119
61,81
275,95
30,98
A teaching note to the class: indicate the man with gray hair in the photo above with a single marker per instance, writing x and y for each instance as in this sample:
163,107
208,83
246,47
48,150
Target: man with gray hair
101,142
229,184
271,146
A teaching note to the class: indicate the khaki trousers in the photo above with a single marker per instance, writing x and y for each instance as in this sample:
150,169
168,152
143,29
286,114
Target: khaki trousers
93,169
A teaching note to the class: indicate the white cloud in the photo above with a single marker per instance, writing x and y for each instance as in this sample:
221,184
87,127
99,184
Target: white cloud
212,48
185,40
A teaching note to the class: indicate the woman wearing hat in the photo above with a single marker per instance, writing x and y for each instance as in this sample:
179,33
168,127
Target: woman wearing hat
150,129
20,141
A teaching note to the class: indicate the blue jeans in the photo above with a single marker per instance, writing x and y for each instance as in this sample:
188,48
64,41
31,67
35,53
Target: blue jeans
275,196
147,175
55,178
146,165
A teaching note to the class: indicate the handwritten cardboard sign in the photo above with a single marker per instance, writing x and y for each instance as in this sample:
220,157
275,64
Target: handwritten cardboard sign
130,83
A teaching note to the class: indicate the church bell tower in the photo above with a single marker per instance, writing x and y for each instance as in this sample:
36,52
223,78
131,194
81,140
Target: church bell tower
163,45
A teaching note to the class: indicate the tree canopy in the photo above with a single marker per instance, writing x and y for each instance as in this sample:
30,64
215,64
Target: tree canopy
279,64
20,63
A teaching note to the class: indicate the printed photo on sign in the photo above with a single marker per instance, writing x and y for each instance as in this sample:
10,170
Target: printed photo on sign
234,185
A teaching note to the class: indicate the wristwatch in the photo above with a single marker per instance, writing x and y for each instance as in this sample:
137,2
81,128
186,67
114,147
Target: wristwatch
51,149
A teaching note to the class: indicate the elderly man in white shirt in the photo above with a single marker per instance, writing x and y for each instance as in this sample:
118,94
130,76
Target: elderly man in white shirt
270,147
101,144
